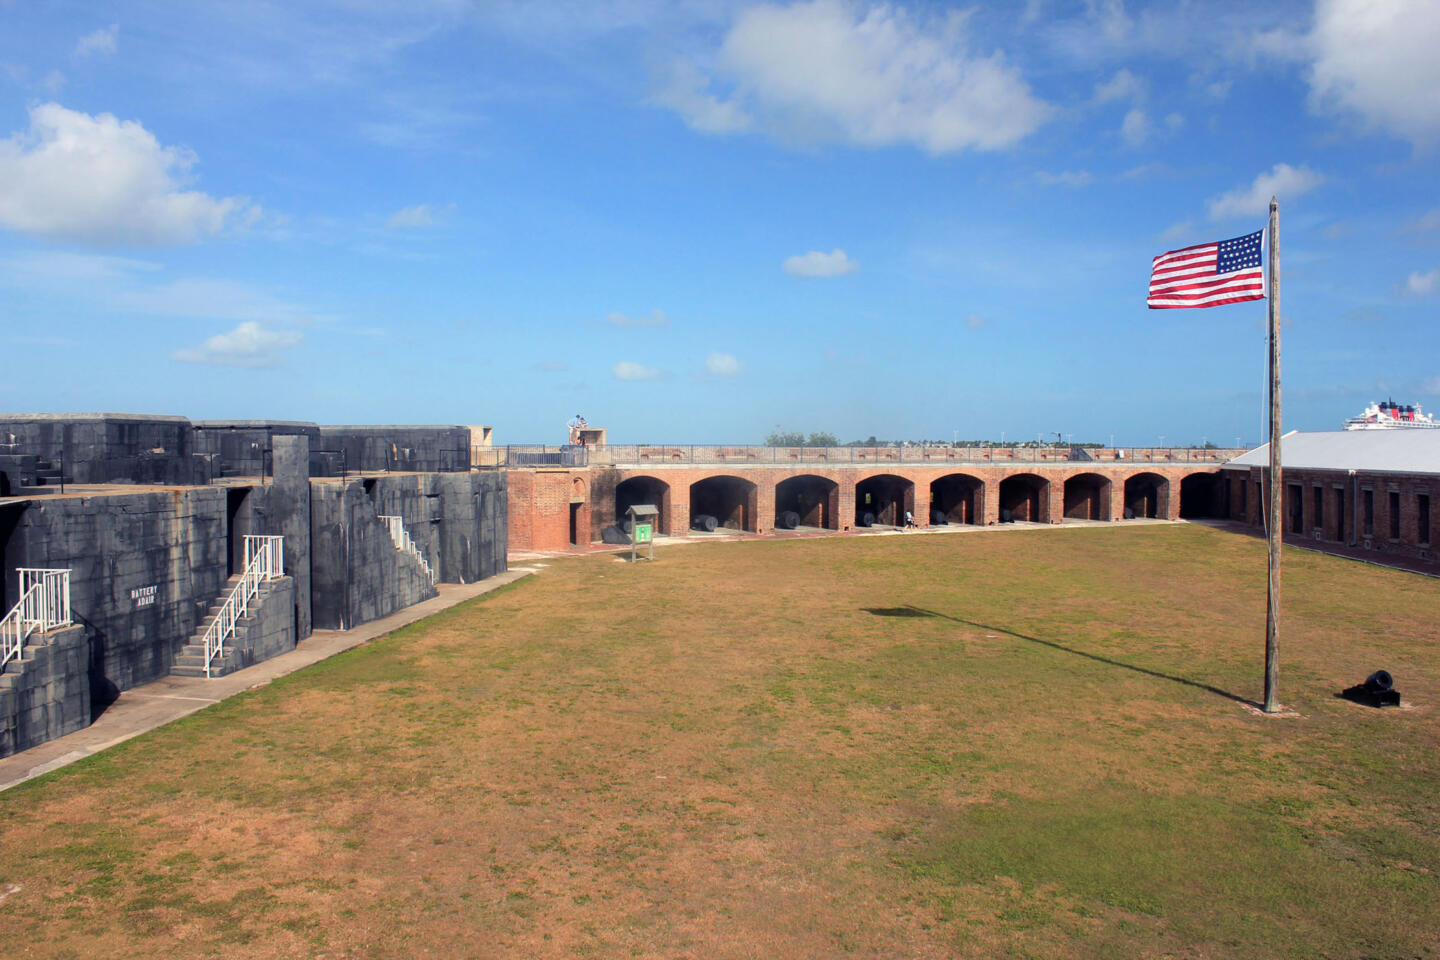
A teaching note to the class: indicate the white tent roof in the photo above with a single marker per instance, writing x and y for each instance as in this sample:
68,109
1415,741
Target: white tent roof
1370,451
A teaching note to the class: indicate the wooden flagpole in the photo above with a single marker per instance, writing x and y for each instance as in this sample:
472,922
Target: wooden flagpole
1276,526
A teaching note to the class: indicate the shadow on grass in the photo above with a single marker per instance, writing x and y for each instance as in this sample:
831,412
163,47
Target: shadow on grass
912,611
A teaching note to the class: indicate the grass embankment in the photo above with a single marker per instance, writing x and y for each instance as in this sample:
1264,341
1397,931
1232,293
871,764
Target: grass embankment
1020,744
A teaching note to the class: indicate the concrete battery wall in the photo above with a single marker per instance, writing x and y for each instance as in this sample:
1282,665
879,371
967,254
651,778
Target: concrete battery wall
398,448
457,520
107,447
51,696
242,448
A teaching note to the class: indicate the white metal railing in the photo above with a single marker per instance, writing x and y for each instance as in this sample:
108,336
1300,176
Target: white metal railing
44,605
403,542
264,560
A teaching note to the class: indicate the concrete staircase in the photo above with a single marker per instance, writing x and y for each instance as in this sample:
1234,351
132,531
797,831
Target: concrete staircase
191,660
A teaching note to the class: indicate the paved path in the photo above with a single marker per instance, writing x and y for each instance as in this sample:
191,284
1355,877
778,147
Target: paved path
155,704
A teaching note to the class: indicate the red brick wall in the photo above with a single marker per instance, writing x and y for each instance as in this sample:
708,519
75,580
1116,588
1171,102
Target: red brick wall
540,498
1329,526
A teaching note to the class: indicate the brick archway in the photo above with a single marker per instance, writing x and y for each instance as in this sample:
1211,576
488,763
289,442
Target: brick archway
644,489
957,498
883,498
1025,497
1147,496
1087,497
813,500
732,501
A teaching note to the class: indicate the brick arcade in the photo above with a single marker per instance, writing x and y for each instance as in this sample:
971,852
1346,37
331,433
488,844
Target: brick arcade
752,489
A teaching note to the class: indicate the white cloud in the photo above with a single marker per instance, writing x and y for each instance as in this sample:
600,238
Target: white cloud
830,71
248,345
1220,89
1178,231
98,41
817,264
1065,178
99,180
1429,221
1135,129
723,365
418,216
630,370
686,91
975,321
1423,284
1283,181
1123,86
656,318
1377,59
1174,122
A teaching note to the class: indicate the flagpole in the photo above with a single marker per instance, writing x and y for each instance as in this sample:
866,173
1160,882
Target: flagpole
1275,527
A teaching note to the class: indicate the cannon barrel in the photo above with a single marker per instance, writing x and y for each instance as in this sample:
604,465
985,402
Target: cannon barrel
938,517
865,519
704,521
1380,682
787,520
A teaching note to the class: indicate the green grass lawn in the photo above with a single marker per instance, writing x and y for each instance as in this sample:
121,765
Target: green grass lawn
1019,744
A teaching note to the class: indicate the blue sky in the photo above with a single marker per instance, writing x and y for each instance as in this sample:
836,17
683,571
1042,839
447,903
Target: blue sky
693,222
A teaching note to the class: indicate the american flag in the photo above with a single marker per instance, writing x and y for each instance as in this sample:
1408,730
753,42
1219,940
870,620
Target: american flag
1207,275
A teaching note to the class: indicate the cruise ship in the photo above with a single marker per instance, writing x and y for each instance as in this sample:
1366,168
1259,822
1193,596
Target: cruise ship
1392,416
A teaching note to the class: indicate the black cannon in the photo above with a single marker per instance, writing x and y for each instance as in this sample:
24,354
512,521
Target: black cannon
864,518
787,520
703,521
1378,690
938,517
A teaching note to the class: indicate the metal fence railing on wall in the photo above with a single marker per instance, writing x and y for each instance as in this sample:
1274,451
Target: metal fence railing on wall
531,455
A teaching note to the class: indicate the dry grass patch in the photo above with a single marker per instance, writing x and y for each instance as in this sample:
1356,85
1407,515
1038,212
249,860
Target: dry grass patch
1026,744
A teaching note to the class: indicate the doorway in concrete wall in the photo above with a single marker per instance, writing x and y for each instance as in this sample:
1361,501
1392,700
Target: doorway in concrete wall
10,557
238,522
574,524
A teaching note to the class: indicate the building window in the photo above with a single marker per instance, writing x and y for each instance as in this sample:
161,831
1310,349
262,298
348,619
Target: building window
1394,515
1297,507
1317,519
1243,488
1422,507
1367,512
1339,513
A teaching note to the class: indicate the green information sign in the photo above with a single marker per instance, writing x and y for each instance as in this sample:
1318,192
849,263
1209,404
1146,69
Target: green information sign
642,533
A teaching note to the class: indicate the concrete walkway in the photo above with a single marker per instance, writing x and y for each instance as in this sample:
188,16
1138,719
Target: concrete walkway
155,704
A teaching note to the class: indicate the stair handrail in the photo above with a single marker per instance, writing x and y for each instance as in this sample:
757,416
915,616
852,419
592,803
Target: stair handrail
264,560
404,543
44,605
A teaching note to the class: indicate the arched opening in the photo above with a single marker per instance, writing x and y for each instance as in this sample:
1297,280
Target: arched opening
807,501
579,513
883,499
1087,497
1202,496
1023,497
638,490
728,501
1146,496
957,498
